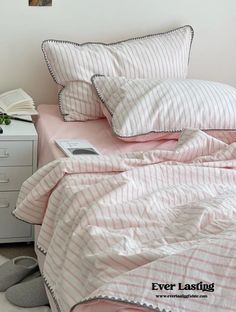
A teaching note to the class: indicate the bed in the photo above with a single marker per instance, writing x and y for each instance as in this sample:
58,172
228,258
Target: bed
148,225
50,126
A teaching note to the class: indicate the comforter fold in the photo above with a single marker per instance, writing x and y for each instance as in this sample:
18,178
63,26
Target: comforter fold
143,231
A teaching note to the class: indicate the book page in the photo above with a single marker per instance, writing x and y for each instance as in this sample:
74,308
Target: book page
17,102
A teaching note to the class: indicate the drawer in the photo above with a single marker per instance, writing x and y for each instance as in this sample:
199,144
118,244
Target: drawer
15,153
11,178
10,227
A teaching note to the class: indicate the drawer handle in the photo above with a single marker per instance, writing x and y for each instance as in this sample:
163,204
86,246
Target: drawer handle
4,205
6,155
5,181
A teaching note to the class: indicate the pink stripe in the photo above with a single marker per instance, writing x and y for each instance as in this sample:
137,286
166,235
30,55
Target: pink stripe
199,270
206,261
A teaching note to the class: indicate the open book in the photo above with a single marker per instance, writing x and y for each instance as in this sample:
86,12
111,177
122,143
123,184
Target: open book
17,102
76,147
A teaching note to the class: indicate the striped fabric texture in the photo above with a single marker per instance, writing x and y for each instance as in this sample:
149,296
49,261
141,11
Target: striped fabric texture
113,225
147,109
72,65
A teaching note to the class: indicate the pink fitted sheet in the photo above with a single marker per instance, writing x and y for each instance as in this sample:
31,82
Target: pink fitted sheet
50,126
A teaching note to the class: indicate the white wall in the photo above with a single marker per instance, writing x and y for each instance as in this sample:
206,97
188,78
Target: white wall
22,29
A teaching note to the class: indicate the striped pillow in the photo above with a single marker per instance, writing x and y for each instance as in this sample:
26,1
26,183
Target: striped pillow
72,65
147,109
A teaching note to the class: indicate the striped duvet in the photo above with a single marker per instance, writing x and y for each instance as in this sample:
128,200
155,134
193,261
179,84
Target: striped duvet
141,231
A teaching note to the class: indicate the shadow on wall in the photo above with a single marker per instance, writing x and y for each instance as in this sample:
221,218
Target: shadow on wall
40,2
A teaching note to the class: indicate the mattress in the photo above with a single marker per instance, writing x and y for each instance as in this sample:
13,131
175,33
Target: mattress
50,126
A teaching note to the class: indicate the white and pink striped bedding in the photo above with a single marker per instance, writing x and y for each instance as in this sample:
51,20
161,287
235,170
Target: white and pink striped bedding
163,55
150,109
113,225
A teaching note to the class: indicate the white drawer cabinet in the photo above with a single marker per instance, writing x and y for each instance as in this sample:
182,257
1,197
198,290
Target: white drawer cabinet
11,178
18,161
16,153
12,229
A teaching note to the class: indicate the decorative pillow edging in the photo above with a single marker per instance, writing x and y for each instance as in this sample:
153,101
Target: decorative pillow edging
104,44
111,113
160,134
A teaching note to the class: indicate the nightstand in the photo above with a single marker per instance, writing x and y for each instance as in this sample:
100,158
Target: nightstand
18,161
